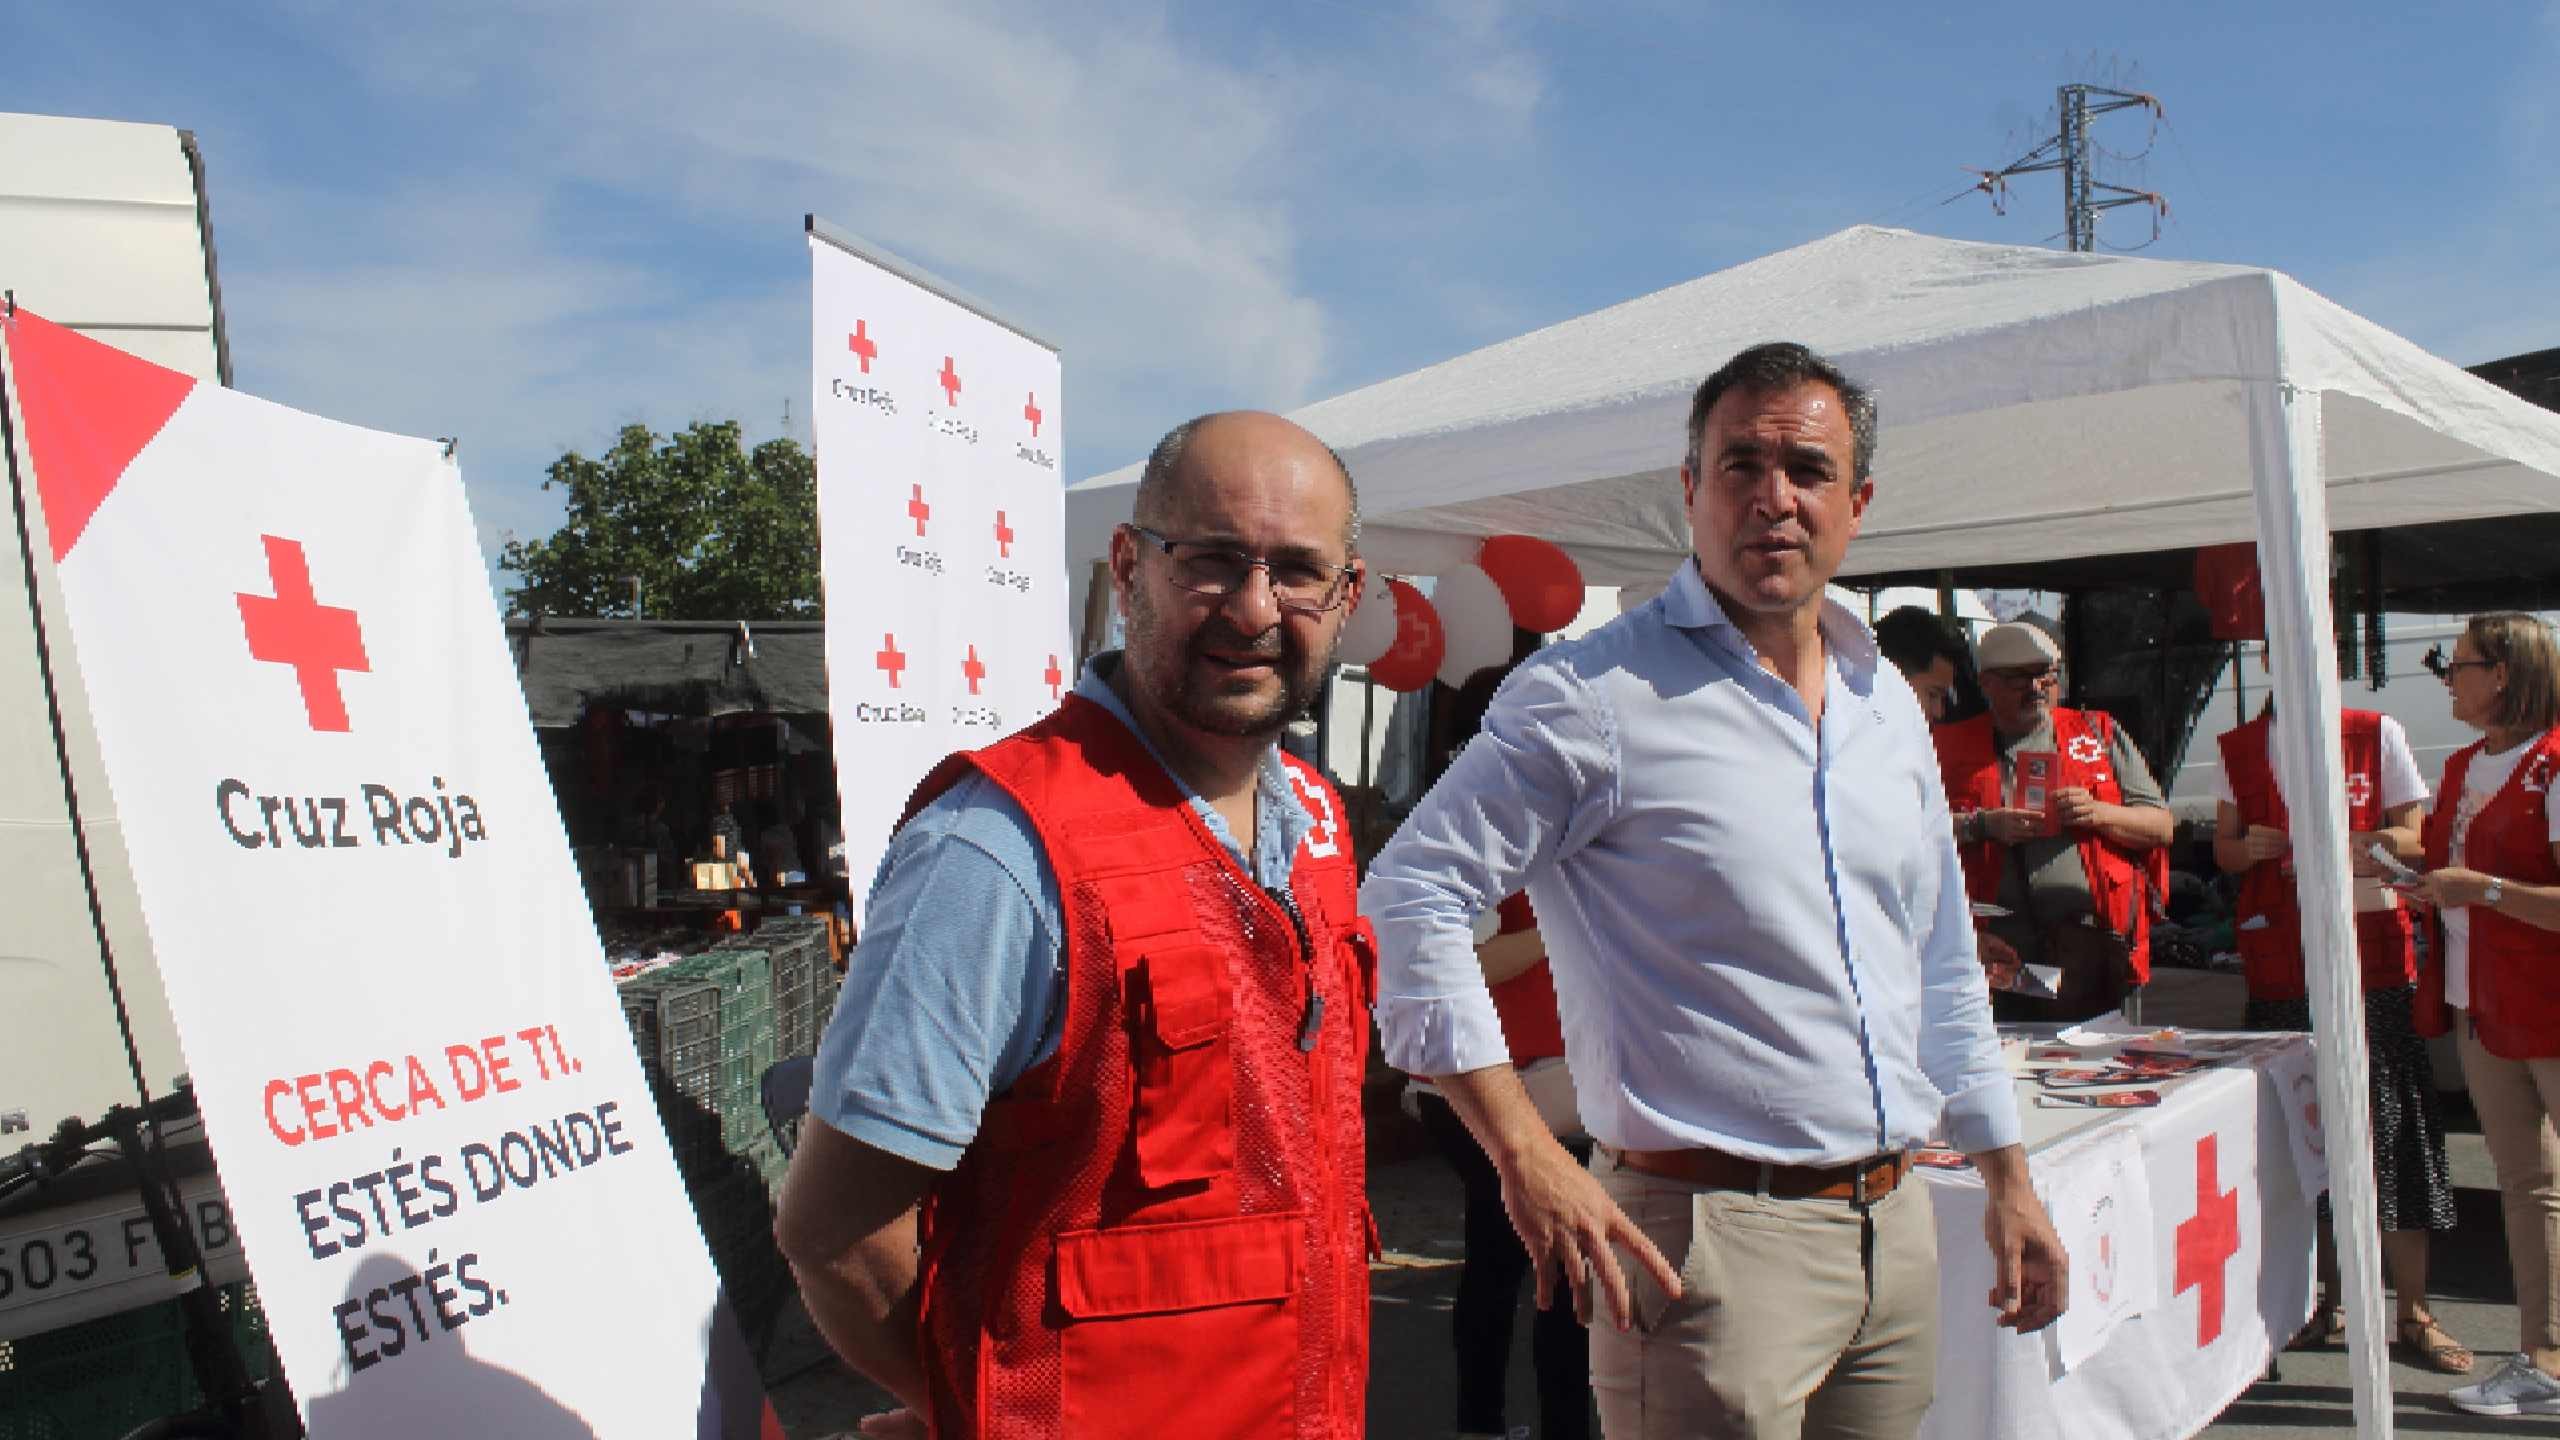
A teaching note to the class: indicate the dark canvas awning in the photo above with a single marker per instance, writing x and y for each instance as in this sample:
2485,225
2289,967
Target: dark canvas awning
676,667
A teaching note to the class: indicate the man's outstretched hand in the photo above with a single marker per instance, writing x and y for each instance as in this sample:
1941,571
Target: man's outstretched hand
1568,1224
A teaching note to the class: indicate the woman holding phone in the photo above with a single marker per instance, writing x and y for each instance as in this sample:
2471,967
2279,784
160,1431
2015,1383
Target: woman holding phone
2492,848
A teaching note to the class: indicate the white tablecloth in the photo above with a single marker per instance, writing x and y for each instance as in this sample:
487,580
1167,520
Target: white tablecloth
2190,1229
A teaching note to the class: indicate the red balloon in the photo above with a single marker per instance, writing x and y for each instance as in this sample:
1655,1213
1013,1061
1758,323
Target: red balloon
1414,658
1541,582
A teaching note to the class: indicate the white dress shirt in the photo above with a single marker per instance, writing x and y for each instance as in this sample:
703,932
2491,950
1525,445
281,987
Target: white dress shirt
1759,936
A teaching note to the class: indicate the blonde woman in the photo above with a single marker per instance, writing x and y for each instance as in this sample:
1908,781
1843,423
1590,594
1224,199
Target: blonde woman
2493,860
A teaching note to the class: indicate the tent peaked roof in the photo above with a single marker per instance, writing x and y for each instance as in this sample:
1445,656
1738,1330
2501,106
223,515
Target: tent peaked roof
2036,404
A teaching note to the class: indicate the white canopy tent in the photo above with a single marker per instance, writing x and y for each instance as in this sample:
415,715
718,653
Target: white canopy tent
2034,403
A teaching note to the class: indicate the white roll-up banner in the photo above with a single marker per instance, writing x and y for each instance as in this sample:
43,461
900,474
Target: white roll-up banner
941,516
443,1160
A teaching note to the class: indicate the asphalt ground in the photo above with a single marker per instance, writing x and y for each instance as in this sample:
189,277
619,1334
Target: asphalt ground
1412,1376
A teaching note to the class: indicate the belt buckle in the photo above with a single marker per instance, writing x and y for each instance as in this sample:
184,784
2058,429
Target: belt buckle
1858,1190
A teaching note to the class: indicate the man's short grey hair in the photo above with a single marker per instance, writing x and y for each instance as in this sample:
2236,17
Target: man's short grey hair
1156,481
1781,365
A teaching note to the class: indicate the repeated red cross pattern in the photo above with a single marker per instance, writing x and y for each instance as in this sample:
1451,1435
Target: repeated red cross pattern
890,659
973,668
859,342
1004,538
917,510
2207,1240
1031,411
293,628
950,382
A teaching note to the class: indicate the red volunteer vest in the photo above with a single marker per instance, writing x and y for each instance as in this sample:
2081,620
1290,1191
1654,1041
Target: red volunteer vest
1161,1232
2123,886
1526,1003
2515,968
2271,954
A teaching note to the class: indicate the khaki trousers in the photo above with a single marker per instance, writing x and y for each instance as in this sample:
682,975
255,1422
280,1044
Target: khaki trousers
2516,1100
1795,1317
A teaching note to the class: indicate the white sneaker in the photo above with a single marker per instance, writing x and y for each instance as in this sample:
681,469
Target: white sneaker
2519,1388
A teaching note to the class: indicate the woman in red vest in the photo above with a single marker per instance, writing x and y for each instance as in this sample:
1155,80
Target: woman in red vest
2493,860
1524,999
1515,966
2413,1187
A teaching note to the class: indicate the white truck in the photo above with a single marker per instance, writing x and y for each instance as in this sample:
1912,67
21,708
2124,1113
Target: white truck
104,228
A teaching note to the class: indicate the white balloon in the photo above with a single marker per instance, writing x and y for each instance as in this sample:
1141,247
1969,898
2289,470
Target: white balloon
1476,621
1372,627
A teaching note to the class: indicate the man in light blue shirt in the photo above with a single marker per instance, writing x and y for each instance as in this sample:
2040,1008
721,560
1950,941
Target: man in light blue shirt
1730,820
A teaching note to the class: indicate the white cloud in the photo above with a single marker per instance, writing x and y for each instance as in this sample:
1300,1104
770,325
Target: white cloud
1135,188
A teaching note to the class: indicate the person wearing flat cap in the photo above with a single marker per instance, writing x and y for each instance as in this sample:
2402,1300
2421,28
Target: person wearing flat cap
2063,833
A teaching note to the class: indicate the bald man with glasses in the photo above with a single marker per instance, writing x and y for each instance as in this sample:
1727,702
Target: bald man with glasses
1087,1151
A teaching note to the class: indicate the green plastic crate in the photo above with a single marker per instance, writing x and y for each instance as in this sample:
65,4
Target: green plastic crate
100,1378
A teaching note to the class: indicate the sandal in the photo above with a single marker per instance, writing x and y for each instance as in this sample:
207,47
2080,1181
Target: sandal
2325,1330
2436,1349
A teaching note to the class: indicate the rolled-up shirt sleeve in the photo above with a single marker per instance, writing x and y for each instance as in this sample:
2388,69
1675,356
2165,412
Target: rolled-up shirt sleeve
1535,783
1959,1049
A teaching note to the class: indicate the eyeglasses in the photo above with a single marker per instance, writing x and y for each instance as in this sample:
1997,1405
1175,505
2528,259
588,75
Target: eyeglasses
2032,676
1301,586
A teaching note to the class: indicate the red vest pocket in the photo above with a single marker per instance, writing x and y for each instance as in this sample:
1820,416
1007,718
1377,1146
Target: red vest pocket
1188,1329
1185,1069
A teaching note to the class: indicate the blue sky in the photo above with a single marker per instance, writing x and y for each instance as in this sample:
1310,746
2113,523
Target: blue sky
527,224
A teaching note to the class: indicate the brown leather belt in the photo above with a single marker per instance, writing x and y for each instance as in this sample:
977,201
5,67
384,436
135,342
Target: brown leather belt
1861,1182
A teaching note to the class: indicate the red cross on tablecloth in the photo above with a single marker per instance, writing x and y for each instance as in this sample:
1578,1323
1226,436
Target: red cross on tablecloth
974,668
1031,412
890,658
917,510
292,628
859,342
2207,1240
1004,537
950,379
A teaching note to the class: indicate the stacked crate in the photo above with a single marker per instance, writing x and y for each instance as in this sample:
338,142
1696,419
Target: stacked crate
704,1030
804,980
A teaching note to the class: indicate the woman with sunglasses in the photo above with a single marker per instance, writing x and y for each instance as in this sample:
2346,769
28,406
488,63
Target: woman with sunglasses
2492,848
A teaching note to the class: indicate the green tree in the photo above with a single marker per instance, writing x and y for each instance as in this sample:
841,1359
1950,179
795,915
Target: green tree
712,530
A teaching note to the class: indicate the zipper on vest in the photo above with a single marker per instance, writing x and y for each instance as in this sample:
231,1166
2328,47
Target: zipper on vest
1313,1023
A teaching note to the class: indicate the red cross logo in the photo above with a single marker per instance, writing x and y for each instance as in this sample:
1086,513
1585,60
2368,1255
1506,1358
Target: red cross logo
950,383
1004,537
917,509
890,659
292,628
1053,677
2102,1281
2206,1242
2359,789
859,342
974,668
1031,412
2086,749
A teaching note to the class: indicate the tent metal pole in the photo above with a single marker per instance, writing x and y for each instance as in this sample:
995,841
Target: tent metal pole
2293,553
